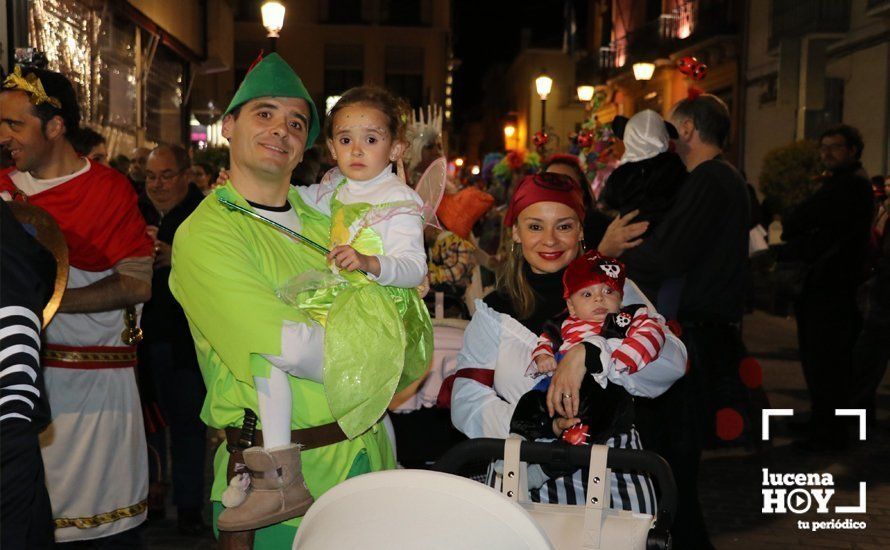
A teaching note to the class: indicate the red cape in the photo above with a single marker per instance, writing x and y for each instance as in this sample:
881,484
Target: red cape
97,213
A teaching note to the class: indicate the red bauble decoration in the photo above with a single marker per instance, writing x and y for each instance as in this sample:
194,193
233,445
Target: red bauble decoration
729,424
686,65
540,138
585,139
699,72
751,373
576,435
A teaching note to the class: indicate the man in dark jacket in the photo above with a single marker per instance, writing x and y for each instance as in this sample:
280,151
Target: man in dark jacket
829,232
167,355
704,239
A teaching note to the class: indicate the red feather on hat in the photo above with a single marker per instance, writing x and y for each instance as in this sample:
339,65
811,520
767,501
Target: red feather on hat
255,61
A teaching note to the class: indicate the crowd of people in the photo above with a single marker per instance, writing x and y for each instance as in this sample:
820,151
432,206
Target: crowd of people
616,315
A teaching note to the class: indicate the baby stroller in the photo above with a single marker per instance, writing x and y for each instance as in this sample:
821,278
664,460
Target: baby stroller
438,510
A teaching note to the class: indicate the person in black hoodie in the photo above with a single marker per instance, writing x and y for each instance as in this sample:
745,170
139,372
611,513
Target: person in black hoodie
169,366
647,180
650,173
829,232
26,283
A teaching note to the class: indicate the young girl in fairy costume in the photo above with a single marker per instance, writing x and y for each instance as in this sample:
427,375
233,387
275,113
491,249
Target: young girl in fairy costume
378,333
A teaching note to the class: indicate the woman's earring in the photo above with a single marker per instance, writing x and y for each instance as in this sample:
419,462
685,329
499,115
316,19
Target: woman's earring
583,249
513,247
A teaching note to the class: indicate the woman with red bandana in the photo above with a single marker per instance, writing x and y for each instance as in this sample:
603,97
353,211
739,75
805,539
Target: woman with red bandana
546,215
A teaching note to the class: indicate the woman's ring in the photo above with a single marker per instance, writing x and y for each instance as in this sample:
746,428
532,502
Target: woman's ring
566,395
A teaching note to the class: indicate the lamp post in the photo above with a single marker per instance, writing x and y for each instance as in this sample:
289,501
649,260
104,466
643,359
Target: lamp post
273,20
543,85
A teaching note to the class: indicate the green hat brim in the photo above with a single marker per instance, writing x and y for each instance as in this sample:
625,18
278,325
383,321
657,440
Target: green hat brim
273,77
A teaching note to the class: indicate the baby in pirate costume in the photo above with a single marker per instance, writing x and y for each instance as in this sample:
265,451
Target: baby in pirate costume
629,338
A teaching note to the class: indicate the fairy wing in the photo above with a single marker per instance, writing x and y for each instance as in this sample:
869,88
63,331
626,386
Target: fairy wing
431,187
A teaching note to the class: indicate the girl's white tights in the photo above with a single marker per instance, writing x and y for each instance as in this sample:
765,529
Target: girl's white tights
275,401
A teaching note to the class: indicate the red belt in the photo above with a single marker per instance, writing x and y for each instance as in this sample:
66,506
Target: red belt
89,357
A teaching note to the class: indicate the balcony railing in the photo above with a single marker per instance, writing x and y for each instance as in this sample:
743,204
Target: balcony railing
795,18
690,22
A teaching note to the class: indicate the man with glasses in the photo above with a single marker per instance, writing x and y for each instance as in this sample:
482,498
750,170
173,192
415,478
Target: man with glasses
829,232
167,355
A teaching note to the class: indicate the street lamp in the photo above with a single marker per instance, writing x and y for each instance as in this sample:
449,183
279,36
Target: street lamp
643,71
543,85
509,132
273,20
585,92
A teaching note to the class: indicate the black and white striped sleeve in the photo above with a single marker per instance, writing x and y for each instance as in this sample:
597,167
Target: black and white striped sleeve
19,363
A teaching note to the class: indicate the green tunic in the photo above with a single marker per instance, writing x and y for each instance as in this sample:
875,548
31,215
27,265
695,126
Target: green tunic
226,269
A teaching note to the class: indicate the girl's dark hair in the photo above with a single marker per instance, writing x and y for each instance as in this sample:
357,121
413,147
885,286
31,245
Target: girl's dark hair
208,169
393,107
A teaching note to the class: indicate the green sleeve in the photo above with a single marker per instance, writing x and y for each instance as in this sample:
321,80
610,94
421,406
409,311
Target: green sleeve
218,279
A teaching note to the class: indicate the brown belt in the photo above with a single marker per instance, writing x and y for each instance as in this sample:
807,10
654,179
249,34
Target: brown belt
308,438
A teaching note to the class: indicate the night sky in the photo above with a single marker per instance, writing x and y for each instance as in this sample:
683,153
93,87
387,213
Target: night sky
487,37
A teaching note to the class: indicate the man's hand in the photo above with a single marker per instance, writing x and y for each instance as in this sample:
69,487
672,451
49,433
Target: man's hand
348,258
163,253
622,235
221,179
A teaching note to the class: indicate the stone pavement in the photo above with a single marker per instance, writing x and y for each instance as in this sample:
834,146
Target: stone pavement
731,480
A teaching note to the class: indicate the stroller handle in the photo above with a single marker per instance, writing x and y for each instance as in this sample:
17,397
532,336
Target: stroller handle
475,450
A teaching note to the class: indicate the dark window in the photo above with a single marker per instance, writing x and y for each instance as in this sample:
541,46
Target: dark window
117,90
343,68
164,97
404,73
406,12
831,113
342,12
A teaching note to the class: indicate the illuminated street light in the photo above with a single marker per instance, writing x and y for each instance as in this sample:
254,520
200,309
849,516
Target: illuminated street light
585,92
644,71
543,85
273,20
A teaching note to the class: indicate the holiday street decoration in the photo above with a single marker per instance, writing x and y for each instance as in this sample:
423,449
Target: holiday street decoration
518,163
540,139
594,144
692,67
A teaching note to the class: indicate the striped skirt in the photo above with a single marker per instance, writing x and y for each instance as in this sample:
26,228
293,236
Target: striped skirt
630,490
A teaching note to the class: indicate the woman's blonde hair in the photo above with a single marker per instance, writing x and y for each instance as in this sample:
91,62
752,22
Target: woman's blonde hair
513,280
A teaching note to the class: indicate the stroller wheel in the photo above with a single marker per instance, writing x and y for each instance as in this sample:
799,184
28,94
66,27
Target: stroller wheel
659,540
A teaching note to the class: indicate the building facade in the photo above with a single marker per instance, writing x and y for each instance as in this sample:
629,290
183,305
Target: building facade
139,67
814,63
402,45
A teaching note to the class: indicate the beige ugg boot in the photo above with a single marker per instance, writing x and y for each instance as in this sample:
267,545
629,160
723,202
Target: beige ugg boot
277,490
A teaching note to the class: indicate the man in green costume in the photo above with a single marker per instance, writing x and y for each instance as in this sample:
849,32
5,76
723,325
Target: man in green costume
226,269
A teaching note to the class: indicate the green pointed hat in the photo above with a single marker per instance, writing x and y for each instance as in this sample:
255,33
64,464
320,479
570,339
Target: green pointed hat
273,77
